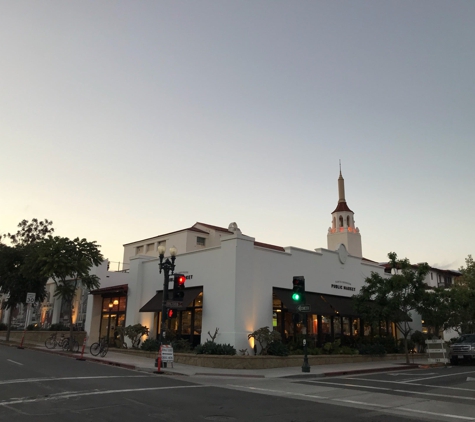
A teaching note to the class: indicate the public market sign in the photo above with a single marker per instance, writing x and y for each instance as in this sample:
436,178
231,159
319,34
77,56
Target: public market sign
343,285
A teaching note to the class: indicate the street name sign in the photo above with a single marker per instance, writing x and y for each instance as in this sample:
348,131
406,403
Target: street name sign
172,304
303,308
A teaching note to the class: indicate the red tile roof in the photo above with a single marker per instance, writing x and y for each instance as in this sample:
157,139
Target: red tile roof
342,206
221,229
266,245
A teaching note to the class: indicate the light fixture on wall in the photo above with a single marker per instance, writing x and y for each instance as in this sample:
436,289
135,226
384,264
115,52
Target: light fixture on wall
111,305
116,302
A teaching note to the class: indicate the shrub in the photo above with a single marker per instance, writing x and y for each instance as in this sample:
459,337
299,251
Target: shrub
181,345
212,348
277,348
264,336
332,348
151,345
346,350
134,333
32,327
58,327
3,326
372,349
419,339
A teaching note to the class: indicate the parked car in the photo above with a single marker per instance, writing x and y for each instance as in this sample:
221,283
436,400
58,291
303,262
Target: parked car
463,349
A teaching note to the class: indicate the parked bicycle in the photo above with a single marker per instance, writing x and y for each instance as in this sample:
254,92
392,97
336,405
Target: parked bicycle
75,344
53,341
99,348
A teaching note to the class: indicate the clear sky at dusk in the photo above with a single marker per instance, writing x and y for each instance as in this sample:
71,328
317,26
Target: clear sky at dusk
122,120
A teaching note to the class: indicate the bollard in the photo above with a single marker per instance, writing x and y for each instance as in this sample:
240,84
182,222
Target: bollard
22,339
82,351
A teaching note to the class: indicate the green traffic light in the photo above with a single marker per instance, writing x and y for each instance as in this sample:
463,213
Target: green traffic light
296,297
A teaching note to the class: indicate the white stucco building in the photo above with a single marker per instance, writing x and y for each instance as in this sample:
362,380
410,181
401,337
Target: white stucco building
238,284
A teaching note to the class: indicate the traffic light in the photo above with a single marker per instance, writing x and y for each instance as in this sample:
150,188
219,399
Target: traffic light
178,286
171,313
298,290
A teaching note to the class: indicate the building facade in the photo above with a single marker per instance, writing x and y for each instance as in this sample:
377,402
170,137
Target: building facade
235,285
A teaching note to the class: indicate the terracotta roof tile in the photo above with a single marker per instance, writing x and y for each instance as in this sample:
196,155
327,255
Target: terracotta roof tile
342,206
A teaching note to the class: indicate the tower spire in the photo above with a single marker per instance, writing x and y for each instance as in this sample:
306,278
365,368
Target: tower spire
343,230
341,188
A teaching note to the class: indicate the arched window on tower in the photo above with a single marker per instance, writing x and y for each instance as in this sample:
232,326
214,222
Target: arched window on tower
341,221
348,221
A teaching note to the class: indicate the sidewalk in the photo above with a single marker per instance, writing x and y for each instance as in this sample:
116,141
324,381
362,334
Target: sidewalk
145,364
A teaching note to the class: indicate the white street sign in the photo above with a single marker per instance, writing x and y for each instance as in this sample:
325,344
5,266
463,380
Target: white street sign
30,297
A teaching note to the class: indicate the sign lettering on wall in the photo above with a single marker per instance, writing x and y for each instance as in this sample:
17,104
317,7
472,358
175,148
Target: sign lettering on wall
343,285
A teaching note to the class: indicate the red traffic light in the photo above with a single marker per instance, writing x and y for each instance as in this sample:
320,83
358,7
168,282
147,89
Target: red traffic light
171,313
180,279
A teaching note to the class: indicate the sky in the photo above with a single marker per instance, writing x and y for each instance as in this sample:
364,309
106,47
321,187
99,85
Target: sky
123,120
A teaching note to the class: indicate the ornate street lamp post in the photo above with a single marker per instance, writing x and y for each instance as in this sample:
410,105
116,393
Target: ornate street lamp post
167,266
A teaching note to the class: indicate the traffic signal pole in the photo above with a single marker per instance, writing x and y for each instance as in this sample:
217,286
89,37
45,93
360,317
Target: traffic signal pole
167,266
305,366
298,296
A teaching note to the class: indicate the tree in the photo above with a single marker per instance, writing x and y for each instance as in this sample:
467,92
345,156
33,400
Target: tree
68,263
20,269
462,300
30,232
393,298
435,308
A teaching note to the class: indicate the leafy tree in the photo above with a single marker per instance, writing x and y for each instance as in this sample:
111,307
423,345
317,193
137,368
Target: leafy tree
30,232
435,308
393,298
20,269
462,300
68,263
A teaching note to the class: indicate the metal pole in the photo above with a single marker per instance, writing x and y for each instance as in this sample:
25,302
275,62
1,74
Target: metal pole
305,366
166,279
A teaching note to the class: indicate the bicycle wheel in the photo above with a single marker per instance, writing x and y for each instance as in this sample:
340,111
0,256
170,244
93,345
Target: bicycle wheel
50,343
95,349
65,344
104,350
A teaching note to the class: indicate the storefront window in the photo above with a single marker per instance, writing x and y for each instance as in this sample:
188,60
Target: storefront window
355,330
346,326
337,327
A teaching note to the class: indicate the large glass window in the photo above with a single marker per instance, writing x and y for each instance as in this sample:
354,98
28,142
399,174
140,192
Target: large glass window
112,317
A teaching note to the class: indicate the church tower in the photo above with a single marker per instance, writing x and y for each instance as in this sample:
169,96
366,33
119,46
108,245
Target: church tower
343,230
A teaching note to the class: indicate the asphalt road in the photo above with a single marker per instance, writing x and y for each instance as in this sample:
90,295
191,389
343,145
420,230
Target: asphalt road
38,386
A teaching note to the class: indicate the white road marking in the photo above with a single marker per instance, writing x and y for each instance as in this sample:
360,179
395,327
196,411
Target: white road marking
470,379
397,391
406,375
420,385
19,381
439,376
75,394
12,361
446,415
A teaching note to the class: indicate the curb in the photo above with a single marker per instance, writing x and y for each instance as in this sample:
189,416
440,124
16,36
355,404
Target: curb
210,374
78,357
